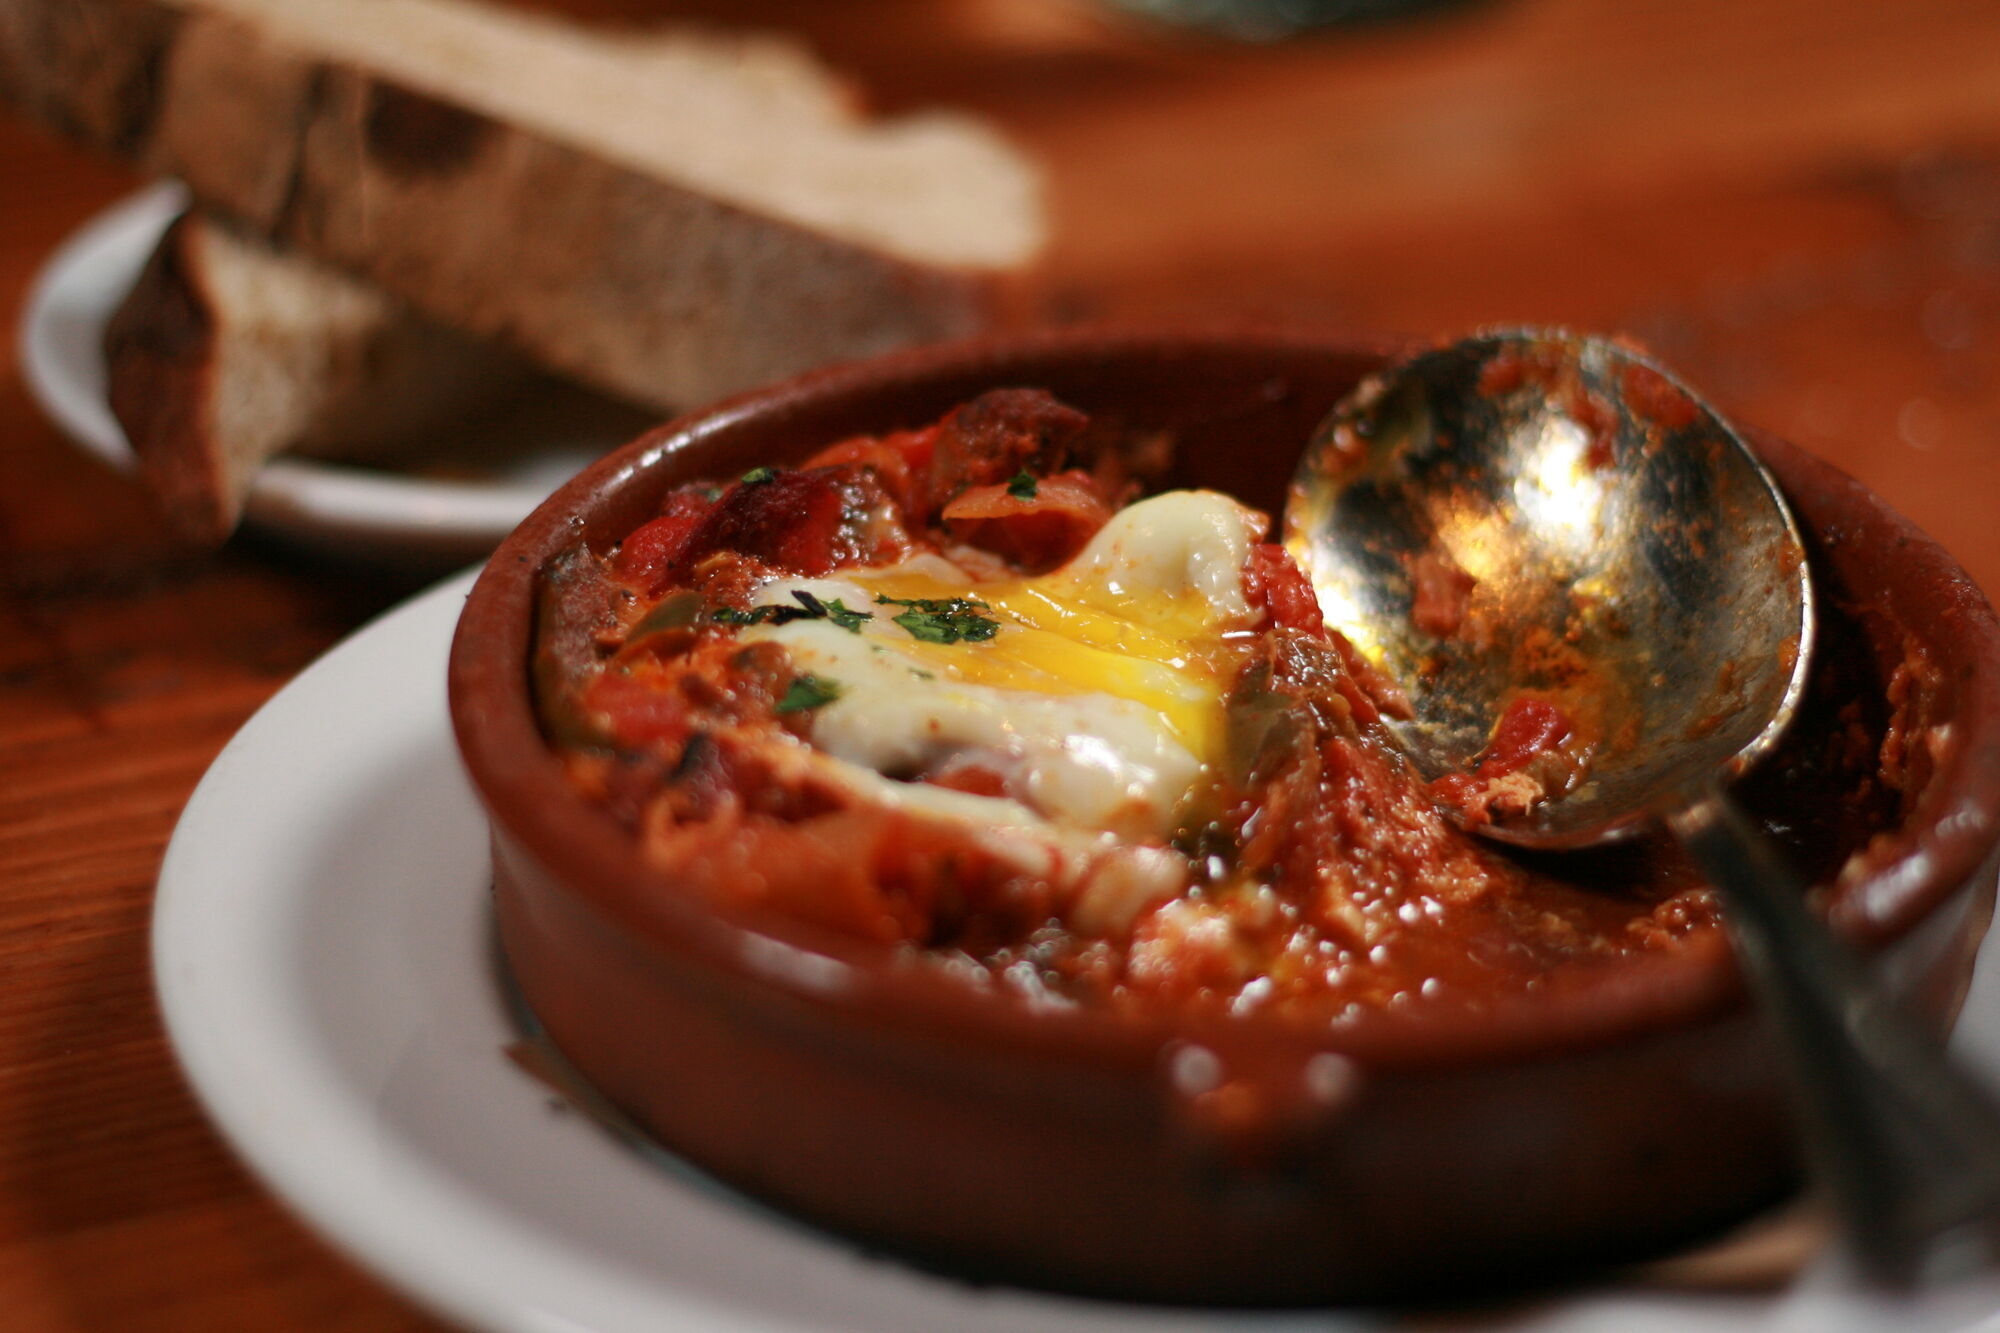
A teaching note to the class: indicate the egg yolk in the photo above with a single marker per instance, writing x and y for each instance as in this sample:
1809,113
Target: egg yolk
1064,635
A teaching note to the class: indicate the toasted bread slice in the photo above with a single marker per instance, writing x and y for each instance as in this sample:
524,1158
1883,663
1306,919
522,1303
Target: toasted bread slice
227,352
668,220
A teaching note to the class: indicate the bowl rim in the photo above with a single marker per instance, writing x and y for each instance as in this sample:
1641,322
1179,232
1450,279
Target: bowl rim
1948,835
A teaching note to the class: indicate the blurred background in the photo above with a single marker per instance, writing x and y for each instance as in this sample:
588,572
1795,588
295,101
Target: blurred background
1795,202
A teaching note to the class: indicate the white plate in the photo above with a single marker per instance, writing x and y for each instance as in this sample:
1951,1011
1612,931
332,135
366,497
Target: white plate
324,953
344,510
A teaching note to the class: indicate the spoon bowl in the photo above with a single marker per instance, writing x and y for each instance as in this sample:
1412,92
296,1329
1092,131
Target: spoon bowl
1551,515
1533,515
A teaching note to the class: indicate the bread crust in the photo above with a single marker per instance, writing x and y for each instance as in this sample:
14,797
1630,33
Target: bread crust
227,352
161,364
627,281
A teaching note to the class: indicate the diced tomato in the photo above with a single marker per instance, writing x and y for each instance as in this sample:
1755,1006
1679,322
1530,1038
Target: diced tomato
1038,531
1274,583
645,557
786,519
1528,728
805,521
901,459
640,713
653,704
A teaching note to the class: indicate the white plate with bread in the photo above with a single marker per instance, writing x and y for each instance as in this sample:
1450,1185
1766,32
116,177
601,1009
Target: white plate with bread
388,192
435,504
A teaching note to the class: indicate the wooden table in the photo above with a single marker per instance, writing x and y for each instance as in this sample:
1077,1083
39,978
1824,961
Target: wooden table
1796,202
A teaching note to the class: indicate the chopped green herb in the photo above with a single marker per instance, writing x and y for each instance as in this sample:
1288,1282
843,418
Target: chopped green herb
846,617
757,476
836,610
1021,485
808,691
944,620
809,608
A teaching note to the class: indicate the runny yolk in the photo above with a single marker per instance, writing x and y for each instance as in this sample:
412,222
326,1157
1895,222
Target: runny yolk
1061,635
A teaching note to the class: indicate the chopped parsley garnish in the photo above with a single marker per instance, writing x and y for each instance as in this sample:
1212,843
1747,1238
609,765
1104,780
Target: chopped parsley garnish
806,692
836,611
757,476
1021,485
809,608
944,620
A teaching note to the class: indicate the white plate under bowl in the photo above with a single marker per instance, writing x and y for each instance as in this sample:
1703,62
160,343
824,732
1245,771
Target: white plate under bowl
323,947
384,516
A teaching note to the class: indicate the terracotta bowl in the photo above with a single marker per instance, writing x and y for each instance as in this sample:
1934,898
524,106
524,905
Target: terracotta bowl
1170,1159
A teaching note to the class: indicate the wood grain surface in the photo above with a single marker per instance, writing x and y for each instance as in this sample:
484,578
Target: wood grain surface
1797,203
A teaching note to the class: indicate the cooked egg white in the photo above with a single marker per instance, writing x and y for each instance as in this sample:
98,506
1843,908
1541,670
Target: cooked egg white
1099,694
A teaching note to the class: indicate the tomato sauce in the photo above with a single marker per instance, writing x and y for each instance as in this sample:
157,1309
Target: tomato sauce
1312,872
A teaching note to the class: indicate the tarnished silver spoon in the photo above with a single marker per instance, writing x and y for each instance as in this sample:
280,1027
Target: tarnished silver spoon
1544,516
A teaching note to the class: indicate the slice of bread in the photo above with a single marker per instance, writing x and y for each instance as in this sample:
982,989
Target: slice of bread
227,352
666,219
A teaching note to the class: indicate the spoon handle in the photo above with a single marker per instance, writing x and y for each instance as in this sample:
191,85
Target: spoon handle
1906,1143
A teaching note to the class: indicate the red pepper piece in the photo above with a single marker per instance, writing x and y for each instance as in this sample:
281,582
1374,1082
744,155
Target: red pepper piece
645,557
1272,581
1037,532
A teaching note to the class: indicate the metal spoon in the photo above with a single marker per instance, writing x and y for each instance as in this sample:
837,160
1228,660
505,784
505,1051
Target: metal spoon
1552,515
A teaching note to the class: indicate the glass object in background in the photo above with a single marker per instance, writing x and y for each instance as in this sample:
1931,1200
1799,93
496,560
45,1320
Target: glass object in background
1272,20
